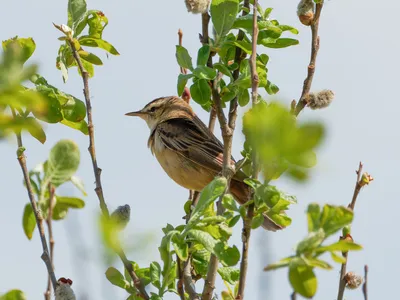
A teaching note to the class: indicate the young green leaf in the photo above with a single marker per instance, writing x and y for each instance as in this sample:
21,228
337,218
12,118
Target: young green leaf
202,55
63,162
71,202
311,242
99,43
342,246
243,97
155,273
90,57
26,46
13,295
313,217
229,203
182,81
229,274
303,280
181,247
334,218
115,277
81,125
280,264
257,221
317,263
280,43
35,129
223,15
28,221
223,69
76,9
183,58
201,91
204,72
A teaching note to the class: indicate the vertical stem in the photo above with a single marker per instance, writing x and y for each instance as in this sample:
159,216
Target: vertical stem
246,233
51,238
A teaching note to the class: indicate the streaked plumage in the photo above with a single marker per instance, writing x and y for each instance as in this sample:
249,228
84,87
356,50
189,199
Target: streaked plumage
187,150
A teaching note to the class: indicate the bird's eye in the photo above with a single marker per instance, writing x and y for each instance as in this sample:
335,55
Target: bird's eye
153,109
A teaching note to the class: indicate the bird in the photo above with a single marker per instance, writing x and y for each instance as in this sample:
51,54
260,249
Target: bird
188,151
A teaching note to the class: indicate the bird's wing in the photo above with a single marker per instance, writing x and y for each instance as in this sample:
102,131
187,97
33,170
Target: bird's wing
193,140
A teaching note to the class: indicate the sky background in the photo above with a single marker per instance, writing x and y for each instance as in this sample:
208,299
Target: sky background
358,60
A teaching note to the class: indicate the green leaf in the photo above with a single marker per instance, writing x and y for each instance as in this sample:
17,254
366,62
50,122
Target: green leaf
243,97
317,263
181,247
13,295
229,274
76,9
182,81
99,43
338,258
28,221
288,28
115,277
223,15
155,273
244,45
71,202
257,221
229,203
26,47
183,58
81,126
334,218
281,43
312,241
63,162
97,21
303,280
234,221
201,91
60,211
90,57
35,129
280,264
74,110
313,217
271,88
209,194
53,112
342,246
204,72
223,69
202,55
267,12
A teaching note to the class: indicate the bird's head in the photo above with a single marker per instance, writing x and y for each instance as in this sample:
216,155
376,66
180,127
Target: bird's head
162,109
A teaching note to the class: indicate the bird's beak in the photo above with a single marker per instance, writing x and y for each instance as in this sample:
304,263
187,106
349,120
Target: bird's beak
138,113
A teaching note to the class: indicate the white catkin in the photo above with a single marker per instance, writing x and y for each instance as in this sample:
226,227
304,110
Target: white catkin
64,292
197,6
321,99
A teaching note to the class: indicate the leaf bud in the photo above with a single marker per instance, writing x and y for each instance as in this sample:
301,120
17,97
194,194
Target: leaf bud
197,6
366,179
305,12
320,99
353,280
64,290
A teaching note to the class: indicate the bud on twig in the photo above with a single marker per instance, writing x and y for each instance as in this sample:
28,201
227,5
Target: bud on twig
197,6
320,99
121,216
64,290
186,94
353,280
366,179
305,12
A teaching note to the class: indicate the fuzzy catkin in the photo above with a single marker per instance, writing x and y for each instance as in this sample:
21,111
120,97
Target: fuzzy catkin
353,280
197,6
122,215
64,292
321,99
305,12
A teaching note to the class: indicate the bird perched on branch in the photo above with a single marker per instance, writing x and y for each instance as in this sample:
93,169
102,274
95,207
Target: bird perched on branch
187,150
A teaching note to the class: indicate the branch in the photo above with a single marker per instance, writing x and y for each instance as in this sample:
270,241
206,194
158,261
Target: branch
293,296
246,232
97,171
359,184
364,287
311,67
52,199
36,211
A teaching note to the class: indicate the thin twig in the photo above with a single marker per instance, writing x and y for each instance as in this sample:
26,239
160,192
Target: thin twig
52,199
36,211
293,296
357,188
311,67
365,285
246,232
179,284
97,171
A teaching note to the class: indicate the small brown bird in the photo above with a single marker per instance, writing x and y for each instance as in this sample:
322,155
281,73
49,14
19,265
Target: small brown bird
187,150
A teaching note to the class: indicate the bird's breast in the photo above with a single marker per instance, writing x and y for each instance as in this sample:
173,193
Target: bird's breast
182,170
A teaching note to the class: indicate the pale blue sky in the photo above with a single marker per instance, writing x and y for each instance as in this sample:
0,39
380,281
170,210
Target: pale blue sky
358,60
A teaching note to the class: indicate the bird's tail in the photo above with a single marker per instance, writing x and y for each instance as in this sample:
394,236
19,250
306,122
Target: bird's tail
242,193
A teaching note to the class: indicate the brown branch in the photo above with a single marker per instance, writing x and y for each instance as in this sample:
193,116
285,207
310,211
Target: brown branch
357,189
97,171
36,211
293,296
311,67
52,199
179,284
246,232
365,285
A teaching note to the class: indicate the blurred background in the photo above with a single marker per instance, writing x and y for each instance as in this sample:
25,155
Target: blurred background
358,60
